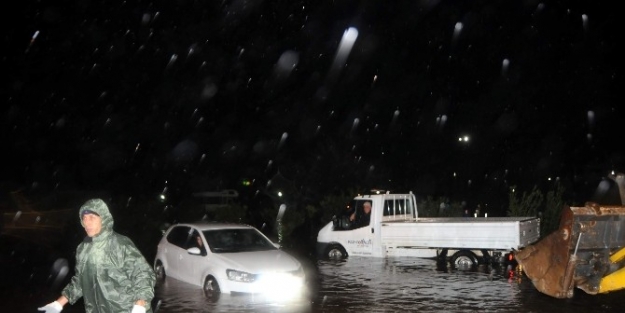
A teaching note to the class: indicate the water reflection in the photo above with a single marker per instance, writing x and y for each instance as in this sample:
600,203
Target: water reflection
412,284
177,296
397,284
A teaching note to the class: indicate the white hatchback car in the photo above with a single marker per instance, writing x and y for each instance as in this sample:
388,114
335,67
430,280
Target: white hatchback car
227,258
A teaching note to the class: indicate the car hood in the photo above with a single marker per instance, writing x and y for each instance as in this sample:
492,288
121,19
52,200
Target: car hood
261,261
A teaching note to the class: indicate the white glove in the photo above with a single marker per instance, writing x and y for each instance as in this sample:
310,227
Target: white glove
138,309
54,307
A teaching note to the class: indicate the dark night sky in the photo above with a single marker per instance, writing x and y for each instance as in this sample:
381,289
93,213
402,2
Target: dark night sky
199,95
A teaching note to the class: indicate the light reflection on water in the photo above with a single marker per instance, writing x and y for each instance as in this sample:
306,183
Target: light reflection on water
181,297
391,285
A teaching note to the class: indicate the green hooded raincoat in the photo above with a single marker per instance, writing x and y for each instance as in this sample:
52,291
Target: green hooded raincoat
111,274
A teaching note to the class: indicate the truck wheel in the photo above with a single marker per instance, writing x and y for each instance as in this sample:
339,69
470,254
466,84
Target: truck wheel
464,259
336,252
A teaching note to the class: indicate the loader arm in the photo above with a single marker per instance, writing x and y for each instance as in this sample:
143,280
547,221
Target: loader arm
587,252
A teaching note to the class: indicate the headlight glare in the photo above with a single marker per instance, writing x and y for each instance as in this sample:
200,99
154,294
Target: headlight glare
298,272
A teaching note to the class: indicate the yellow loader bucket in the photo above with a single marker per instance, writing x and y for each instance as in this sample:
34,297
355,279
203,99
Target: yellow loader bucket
586,252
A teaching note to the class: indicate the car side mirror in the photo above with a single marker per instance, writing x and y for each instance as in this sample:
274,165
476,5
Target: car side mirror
194,251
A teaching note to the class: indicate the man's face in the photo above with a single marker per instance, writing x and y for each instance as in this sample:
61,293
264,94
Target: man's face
367,207
92,224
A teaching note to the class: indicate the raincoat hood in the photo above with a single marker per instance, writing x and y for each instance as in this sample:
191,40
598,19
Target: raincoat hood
98,206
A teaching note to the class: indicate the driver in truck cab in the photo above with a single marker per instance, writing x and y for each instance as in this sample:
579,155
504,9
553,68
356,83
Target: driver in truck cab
361,218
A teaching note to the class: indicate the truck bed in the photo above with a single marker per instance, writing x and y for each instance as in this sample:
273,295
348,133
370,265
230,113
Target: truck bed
493,233
461,219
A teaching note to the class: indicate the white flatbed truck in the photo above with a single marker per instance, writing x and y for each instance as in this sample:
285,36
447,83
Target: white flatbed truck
396,230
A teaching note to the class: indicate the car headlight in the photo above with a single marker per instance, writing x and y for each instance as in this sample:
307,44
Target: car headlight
284,285
239,276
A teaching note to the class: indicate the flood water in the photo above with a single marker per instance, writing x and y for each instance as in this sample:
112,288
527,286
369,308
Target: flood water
394,285
354,285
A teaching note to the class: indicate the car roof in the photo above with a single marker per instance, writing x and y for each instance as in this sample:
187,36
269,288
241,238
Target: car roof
202,226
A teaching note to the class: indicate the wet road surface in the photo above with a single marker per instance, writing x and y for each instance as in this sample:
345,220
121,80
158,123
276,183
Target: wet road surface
355,285
394,285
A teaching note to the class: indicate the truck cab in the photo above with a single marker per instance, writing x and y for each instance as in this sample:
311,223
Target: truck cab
344,236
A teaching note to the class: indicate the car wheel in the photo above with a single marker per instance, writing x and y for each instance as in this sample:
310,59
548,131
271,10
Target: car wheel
464,259
160,271
211,287
336,252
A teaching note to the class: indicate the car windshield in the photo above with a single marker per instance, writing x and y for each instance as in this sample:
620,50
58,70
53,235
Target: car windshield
237,240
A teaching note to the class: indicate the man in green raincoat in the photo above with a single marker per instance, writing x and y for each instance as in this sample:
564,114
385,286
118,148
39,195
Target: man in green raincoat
111,274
